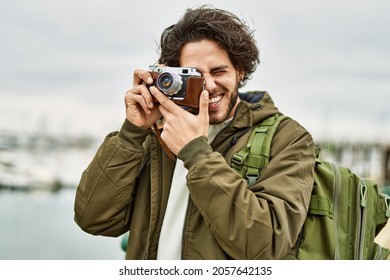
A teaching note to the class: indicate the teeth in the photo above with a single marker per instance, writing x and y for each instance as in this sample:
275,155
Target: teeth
215,99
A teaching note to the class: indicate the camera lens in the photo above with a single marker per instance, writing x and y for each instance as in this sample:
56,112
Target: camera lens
169,83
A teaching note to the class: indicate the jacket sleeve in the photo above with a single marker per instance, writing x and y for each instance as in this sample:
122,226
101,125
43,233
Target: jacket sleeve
104,196
263,221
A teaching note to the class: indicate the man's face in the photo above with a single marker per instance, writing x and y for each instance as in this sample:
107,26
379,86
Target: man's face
220,75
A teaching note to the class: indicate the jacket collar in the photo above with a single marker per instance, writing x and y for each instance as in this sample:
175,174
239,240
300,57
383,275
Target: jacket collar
254,107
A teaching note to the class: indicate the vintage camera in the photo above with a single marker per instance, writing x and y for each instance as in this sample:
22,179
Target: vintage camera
183,85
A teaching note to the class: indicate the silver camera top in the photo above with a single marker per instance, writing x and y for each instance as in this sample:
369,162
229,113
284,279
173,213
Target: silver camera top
191,71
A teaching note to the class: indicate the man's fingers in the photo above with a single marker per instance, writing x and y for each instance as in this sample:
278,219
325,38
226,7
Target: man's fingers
134,99
141,77
204,107
162,99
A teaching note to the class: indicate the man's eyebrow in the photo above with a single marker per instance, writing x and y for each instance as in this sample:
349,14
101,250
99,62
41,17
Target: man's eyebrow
219,68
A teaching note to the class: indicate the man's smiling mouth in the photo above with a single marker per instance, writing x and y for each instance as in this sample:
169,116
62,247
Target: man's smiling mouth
214,100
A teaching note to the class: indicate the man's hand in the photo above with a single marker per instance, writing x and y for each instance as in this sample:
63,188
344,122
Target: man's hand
180,126
140,109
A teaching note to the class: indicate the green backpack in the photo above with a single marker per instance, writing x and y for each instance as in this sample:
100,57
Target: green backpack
346,211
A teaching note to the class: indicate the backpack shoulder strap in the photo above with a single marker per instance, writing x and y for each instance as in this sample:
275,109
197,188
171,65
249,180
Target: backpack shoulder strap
252,159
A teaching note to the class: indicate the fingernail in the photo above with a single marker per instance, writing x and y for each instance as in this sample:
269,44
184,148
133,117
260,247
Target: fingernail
151,105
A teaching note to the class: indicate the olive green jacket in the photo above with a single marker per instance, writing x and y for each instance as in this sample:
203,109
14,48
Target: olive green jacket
126,186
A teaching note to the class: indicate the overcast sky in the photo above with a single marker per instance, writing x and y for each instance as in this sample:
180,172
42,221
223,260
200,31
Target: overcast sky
66,65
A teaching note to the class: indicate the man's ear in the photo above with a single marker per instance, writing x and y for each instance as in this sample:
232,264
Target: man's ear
240,75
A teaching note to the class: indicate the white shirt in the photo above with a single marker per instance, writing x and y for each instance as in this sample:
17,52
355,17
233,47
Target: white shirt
169,246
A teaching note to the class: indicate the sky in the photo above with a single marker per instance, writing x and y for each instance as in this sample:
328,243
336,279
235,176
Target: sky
65,65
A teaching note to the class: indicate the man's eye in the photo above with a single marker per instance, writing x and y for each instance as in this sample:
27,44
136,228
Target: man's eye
219,72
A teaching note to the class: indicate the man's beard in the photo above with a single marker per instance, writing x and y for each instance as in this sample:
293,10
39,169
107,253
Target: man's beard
231,106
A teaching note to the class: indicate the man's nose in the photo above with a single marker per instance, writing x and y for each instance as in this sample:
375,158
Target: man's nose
210,83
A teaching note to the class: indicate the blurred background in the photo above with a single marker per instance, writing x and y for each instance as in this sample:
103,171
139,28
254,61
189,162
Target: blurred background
66,65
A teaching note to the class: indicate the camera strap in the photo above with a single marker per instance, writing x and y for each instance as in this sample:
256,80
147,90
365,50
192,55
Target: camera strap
162,143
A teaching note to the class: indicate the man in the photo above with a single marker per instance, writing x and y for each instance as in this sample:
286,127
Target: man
198,207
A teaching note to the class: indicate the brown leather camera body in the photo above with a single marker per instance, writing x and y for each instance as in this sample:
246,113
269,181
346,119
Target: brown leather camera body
193,89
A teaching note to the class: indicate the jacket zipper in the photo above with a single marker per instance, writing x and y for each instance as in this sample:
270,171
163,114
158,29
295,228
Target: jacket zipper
361,225
184,239
336,195
152,230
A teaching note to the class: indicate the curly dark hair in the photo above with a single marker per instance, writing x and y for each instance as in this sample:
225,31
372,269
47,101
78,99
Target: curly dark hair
226,29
